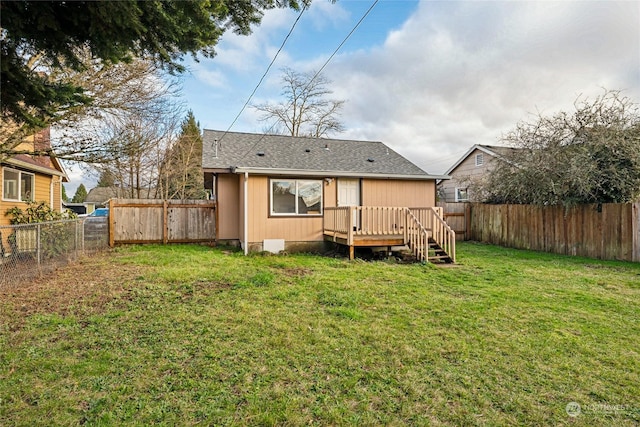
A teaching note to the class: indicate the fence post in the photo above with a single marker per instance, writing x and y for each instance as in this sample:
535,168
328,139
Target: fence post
39,228
165,222
112,214
635,232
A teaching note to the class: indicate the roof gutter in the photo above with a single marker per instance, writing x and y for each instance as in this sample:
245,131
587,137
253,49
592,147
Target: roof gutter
336,174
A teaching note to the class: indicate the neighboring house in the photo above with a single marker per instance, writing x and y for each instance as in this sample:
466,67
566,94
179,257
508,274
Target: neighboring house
280,192
470,168
98,197
27,177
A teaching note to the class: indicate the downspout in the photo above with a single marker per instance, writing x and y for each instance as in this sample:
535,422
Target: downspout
246,211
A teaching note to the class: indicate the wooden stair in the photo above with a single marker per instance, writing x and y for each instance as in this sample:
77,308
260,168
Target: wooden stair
437,254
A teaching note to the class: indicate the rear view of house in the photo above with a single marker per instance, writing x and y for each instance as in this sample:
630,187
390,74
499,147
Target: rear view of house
295,193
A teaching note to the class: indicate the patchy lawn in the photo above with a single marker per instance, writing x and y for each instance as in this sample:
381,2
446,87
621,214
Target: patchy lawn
191,335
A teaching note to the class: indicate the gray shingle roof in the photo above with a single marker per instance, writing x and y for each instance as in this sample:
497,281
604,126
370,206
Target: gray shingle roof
285,153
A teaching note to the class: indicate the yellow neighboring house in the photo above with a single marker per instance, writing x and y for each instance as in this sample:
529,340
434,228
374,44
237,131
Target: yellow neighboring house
28,177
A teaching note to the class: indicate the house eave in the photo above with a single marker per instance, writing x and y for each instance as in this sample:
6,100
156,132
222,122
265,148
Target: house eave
333,174
36,168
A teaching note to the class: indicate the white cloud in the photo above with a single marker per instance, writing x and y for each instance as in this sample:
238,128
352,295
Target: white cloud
325,14
452,75
209,77
460,73
245,53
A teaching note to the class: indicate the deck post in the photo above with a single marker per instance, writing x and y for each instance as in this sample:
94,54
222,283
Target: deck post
350,234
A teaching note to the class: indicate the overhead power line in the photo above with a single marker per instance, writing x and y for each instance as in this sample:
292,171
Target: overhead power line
316,74
266,72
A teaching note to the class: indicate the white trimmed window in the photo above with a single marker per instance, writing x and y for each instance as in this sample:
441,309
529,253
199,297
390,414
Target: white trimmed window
296,197
479,159
462,195
17,186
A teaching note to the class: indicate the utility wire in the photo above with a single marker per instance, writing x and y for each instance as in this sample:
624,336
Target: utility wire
317,72
265,73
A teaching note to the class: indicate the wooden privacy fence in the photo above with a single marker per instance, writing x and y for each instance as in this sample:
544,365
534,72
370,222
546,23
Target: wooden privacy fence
162,221
455,214
605,231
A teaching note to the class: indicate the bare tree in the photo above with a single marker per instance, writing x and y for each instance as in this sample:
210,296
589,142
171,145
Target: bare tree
135,147
305,111
591,155
116,90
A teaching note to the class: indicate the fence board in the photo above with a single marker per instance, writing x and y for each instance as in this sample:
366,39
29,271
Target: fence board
162,221
605,231
454,213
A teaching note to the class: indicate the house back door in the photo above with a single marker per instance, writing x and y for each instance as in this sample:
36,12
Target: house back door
349,195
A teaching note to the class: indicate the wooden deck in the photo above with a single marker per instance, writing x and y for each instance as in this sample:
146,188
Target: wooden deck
359,241
422,229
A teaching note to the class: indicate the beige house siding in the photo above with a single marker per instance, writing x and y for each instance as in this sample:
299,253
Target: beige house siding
463,173
297,229
290,228
228,192
401,193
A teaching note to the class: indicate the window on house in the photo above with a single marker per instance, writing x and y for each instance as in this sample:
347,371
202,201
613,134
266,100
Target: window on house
479,159
296,197
17,185
462,195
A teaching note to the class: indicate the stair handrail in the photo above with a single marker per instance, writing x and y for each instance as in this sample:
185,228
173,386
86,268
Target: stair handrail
417,237
444,235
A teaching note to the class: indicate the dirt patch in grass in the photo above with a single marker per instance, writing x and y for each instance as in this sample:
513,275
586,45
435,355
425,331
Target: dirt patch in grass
85,287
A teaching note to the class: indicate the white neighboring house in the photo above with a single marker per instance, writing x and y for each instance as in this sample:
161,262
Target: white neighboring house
472,166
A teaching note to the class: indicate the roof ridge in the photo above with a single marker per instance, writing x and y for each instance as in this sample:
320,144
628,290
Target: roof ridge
311,138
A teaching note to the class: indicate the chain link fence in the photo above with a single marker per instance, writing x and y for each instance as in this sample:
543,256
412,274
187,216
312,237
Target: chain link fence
28,251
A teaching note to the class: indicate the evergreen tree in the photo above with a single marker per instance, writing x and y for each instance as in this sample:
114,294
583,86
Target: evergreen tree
114,31
65,198
81,194
181,171
107,179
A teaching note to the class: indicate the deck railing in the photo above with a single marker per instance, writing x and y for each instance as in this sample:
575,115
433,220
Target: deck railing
336,221
416,225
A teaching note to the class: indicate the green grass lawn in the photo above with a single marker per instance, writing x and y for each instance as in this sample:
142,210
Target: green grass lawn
189,335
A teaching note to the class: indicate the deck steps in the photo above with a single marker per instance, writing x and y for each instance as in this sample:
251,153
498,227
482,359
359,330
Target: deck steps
422,230
437,254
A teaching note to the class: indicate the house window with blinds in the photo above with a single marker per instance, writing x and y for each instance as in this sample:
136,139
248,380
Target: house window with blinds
296,197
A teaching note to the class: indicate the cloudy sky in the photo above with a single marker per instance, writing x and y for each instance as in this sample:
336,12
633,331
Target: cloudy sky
429,78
